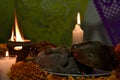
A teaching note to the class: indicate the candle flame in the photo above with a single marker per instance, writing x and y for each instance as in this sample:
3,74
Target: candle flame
16,35
7,54
12,35
78,18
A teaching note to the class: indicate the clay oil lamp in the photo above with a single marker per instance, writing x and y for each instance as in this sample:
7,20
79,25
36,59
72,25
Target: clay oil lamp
17,44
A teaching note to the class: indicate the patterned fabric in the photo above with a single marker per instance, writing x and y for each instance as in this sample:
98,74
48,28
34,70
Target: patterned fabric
109,11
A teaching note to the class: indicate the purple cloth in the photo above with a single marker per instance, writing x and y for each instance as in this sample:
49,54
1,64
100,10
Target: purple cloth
109,11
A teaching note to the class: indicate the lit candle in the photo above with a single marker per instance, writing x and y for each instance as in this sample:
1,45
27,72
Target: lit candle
77,33
5,64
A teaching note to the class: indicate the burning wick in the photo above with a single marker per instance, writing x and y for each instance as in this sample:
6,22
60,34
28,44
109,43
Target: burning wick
18,47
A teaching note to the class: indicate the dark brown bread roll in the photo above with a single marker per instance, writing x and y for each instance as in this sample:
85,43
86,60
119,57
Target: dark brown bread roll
94,54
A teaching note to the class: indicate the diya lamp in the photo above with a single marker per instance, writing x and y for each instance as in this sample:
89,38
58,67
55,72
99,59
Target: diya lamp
17,44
